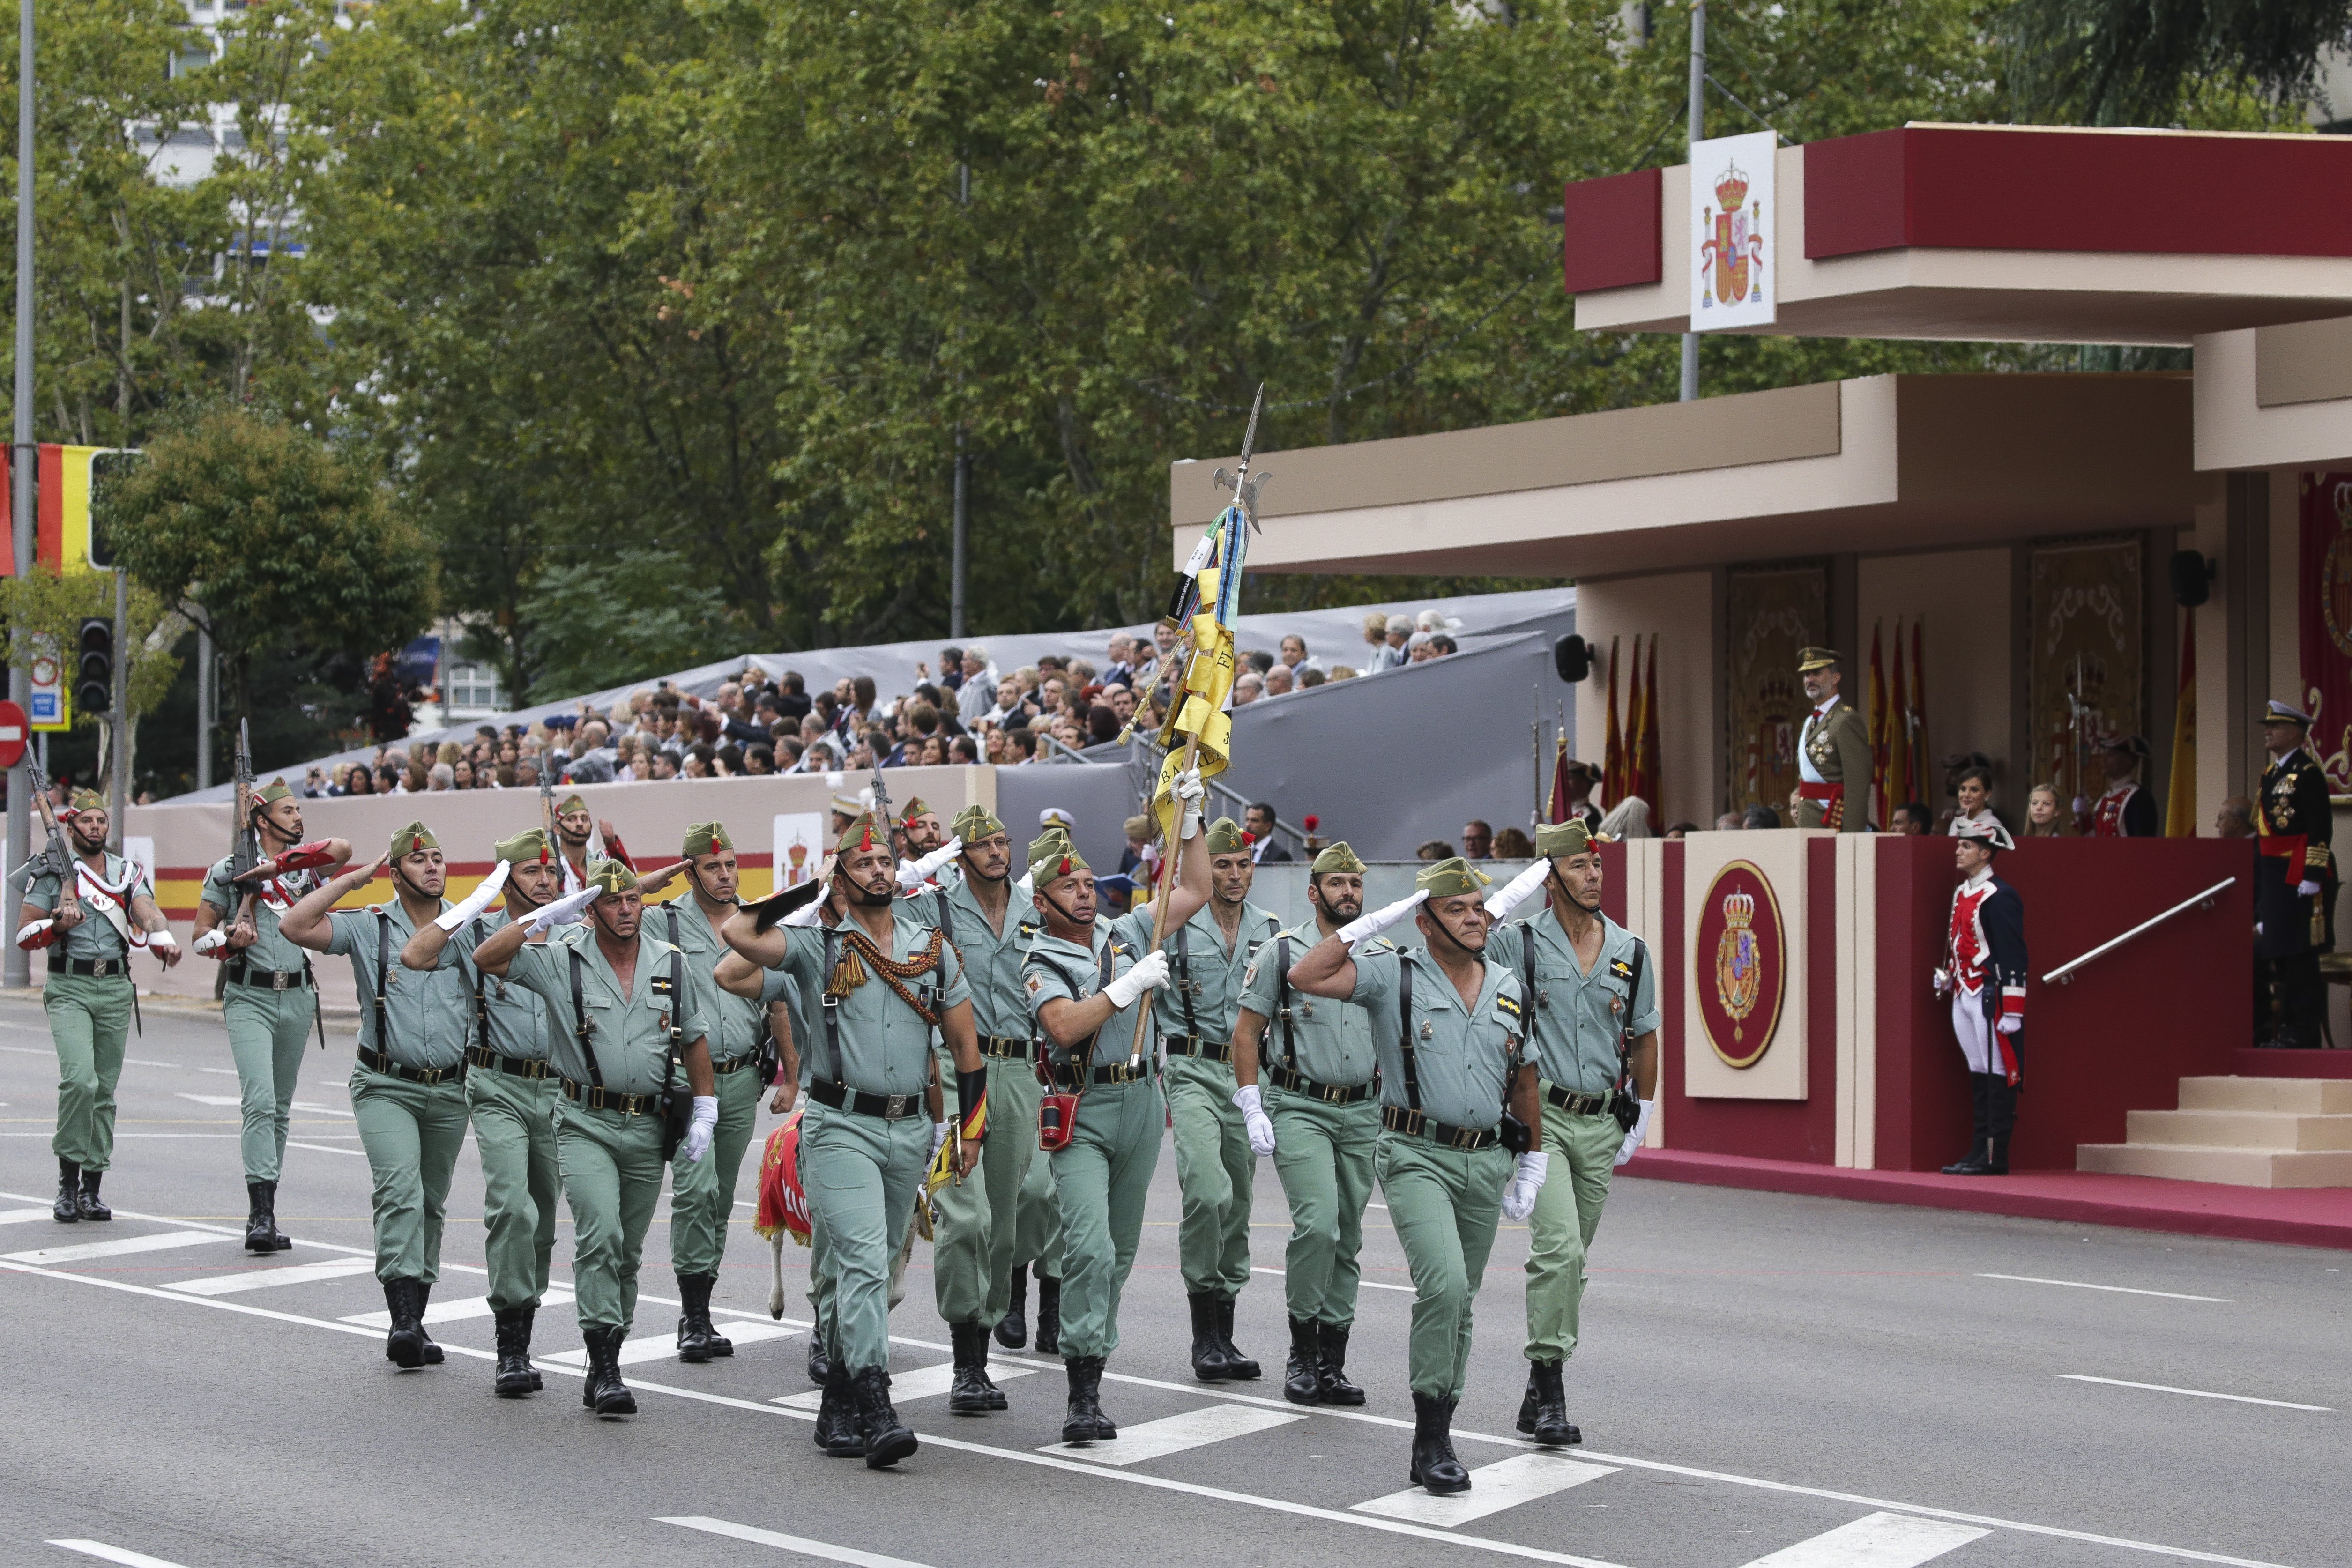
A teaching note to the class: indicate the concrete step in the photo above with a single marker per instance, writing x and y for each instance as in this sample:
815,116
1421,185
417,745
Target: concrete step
2238,1129
2323,1096
2232,1167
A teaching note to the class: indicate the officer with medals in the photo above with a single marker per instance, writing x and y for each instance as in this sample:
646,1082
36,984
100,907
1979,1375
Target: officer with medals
510,1093
888,980
408,1088
631,1022
89,929
1592,995
1315,1111
1216,1171
1833,750
1104,1107
2294,881
1449,1026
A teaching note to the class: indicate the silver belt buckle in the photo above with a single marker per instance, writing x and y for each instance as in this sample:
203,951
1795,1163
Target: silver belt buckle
895,1106
278,980
102,967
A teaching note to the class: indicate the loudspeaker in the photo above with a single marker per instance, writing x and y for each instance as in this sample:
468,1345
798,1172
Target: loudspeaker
1572,658
2192,578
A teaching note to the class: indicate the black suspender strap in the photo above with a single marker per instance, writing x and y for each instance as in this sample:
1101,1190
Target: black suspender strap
579,1030
1404,1022
1184,977
481,1006
383,975
831,1003
1282,1000
946,919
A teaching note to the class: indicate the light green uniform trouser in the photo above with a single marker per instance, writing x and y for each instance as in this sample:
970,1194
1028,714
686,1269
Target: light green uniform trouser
267,1032
412,1133
1444,1204
1583,1150
702,1196
612,1168
514,1135
821,1292
963,1222
1323,1156
861,1174
1035,1237
1100,1180
1216,1174
90,1015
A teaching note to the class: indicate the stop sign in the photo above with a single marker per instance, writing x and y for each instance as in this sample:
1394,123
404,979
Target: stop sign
12,735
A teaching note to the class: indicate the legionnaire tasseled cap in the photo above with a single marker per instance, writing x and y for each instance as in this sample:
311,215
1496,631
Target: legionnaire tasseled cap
572,803
611,876
271,792
1052,857
410,839
1810,659
526,848
1225,837
974,823
1339,857
84,800
1554,840
2134,744
915,808
706,839
2285,713
1994,835
864,831
1451,878
848,805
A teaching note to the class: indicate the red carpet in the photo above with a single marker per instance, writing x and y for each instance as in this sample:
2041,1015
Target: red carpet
2303,1217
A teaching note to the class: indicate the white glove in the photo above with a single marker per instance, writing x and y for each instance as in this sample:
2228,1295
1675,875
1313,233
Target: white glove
1149,973
1028,885
2307,888
913,873
1252,1105
1381,919
211,941
163,939
1517,891
474,903
1943,982
699,1130
1519,1196
809,913
1190,793
563,911
1633,1139
2010,1023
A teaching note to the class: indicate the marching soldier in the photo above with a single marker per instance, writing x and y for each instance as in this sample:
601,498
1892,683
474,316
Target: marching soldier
632,1030
916,831
1832,750
90,928
888,980
269,998
2125,809
408,1086
1449,1026
1984,972
1216,1170
1316,1115
2294,878
510,1093
1592,995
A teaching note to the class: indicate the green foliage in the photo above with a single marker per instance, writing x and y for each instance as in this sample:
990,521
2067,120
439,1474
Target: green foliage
50,606
2223,65
637,611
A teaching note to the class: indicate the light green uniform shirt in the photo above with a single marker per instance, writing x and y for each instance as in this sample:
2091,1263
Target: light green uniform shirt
1461,1056
1203,992
885,1045
518,1020
1578,1016
991,960
431,1011
629,1033
740,1020
1057,969
1332,1039
270,950
96,936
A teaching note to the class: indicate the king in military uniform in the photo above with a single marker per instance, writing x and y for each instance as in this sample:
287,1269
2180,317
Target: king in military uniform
2294,881
1833,750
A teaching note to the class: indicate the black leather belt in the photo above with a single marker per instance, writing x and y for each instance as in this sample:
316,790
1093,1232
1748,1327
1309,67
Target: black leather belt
519,1066
1574,1103
1116,1073
735,1064
244,974
1443,1134
889,1107
1328,1093
61,965
377,1061
1206,1050
1004,1045
597,1099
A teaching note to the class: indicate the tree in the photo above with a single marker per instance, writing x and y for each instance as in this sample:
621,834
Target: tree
2237,64
49,607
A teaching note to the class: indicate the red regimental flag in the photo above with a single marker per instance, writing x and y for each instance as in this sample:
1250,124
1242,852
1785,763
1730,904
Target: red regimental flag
1612,756
2324,630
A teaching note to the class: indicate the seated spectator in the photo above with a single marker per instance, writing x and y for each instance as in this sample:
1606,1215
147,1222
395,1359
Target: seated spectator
1730,822
1511,844
1911,820
950,668
358,780
1121,669
441,776
665,765
1759,816
1121,702
2235,819
1102,722
727,762
1420,648
963,751
1436,849
1345,673
1309,679
977,670
1376,638
2045,818
461,774
1293,653
1682,830
1248,689
1630,819
1478,840
1278,681
760,761
1441,644
1972,789
1020,746
1260,660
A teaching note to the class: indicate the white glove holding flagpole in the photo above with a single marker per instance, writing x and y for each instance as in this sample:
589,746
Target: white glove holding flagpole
1633,1139
474,903
1517,891
913,873
1150,970
563,911
1381,919
1251,1103
1189,792
810,913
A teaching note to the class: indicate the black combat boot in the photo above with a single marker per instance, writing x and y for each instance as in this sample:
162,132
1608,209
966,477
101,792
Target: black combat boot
424,1295
261,1232
2001,1120
1049,1314
1209,1362
530,1311
836,1416
92,1209
820,1365
513,1378
1331,1368
969,1394
887,1439
1302,1376
1435,1467
68,1208
1013,1328
404,1346
606,1395
1973,1162
1236,1363
1084,1421
1547,1421
694,1317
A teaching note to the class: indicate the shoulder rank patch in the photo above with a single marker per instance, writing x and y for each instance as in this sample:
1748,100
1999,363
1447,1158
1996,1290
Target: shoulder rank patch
1035,985
1508,1006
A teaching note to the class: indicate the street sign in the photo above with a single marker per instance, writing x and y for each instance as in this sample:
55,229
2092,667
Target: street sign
13,732
50,710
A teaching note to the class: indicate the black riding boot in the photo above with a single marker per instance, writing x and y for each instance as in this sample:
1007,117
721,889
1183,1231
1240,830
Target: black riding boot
1236,1363
1084,1421
1435,1467
404,1346
694,1317
92,1209
1544,1414
971,1392
68,1208
425,1299
887,1439
1049,1314
1302,1380
1331,1368
837,1418
1209,1363
1973,1162
513,1378
1013,1328
2001,1121
606,1395
820,1365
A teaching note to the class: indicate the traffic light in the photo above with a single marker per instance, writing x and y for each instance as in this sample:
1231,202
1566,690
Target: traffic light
93,689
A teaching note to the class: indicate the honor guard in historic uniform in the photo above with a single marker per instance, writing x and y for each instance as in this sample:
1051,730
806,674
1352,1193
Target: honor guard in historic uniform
1454,1108
2125,810
1216,1171
2294,881
1833,750
888,980
269,998
1983,972
631,1048
407,1088
1304,1066
89,929
1591,996
1102,1112
510,1093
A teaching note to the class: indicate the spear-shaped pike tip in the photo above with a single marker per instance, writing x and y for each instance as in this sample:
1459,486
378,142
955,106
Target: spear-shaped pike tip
1249,437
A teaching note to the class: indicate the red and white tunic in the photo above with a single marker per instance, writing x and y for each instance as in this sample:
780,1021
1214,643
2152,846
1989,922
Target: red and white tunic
1985,951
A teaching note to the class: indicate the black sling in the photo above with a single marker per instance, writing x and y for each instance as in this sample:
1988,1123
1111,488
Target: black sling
1282,1001
1081,1065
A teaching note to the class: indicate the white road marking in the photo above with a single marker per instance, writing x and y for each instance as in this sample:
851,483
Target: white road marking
100,1549
144,1061
1877,1540
802,1544
320,1110
1522,1478
263,1279
1174,1434
325,1148
2118,1289
224,1072
2193,1392
458,1311
662,1345
120,1247
1367,1284
18,1215
209,1099
922,1382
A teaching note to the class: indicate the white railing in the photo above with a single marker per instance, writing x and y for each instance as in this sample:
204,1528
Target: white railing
2065,972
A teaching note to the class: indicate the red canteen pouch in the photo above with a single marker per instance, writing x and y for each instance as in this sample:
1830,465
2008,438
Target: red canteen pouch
1057,1115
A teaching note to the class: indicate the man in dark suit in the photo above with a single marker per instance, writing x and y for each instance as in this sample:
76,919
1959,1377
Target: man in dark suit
1259,821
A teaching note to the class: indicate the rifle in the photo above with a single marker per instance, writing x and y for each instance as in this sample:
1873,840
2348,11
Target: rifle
56,857
245,840
547,821
882,804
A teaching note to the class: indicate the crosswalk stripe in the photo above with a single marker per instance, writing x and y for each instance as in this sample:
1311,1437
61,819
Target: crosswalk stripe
322,1110
456,1311
262,1278
1875,1541
1367,1284
129,1559
922,1382
1507,1483
120,1247
211,1099
800,1543
662,1345
1174,1434
18,1215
